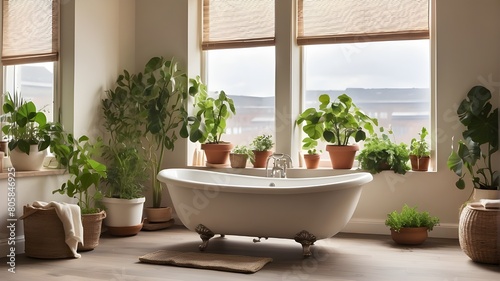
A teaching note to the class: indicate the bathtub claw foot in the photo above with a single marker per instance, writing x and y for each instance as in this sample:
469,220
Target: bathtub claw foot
205,235
257,240
306,239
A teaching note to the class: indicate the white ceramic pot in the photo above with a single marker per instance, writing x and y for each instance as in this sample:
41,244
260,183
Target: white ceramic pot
479,194
123,212
24,162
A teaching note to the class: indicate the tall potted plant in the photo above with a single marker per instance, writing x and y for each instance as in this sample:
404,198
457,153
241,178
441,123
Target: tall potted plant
124,120
28,132
79,157
208,122
337,122
474,153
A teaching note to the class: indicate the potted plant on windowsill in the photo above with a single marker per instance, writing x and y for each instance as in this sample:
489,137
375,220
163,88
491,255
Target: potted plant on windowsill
410,227
239,156
124,119
419,152
208,122
79,158
381,153
337,122
474,154
28,132
261,148
312,158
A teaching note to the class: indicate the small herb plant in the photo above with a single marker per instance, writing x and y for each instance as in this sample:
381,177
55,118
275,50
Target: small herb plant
380,152
410,217
263,143
336,121
208,123
420,147
241,149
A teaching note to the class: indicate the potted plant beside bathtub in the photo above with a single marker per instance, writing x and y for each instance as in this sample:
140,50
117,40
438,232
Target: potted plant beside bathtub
337,122
240,155
312,157
410,227
208,122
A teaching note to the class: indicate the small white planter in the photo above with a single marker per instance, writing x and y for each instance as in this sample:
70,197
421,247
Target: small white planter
123,212
24,162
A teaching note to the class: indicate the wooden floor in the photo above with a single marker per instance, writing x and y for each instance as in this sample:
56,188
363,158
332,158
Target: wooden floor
343,257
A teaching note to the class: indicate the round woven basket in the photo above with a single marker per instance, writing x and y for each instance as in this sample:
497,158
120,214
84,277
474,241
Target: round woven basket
479,234
92,224
44,234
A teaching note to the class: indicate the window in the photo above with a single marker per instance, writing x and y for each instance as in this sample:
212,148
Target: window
30,50
378,52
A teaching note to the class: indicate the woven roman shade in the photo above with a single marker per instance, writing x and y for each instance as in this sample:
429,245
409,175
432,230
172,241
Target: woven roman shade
237,23
30,31
351,21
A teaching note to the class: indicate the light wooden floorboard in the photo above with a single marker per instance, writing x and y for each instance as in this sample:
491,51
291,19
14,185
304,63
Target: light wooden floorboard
343,257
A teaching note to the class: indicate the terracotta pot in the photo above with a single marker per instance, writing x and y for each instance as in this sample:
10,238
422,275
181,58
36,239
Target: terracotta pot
419,163
92,224
312,160
238,160
162,214
342,156
260,158
217,153
410,235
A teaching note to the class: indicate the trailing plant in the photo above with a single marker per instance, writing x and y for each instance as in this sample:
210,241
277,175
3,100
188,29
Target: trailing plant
420,147
410,217
263,142
336,122
476,113
209,121
125,118
79,158
381,153
25,124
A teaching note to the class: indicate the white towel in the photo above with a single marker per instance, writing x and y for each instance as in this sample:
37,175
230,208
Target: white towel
70,216
490,203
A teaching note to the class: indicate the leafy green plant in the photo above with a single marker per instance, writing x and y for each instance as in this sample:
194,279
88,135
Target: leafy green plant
420,147
410,217
336,121
263,142
208,123
79,158
381,153
25,124
476,113
125,117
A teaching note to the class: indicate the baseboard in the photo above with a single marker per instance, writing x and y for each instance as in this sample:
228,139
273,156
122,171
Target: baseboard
5,247
367,226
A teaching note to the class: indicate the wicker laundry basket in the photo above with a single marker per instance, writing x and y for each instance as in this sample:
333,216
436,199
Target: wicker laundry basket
479,234
44,234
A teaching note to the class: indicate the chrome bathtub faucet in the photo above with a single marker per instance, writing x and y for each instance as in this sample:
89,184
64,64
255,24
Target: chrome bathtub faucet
281,162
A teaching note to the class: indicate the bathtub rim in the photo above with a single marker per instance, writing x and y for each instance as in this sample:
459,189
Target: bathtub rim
351,180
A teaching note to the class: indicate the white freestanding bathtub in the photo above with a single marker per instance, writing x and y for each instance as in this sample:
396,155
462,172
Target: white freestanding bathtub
304,209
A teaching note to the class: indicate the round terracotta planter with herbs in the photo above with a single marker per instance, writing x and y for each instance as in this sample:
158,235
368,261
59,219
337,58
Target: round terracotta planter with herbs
410,235
217,153
342,156
260,158
312,160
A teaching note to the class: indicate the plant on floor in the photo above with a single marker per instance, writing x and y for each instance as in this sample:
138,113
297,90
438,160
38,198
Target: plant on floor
476,113
79,157
381,153
410,217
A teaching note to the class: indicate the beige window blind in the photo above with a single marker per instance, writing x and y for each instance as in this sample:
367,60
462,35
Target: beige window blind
30,31
351,21
237,23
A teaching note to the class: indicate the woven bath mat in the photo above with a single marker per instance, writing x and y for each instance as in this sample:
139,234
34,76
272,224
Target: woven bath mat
232,263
